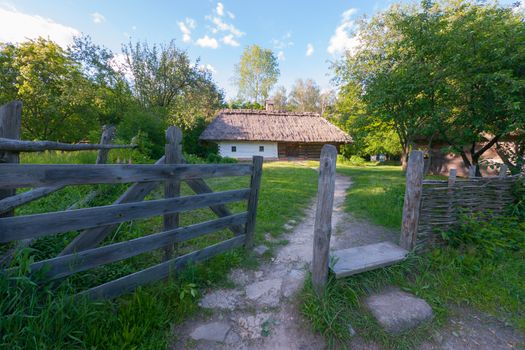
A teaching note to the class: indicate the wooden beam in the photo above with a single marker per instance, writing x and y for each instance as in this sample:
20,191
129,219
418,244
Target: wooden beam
29,226
40,146
173,152
66,265
10,122
158,272
323,217
37,175
412,203
255,185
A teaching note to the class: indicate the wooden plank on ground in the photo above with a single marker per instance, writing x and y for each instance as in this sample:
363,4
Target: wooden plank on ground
158,272
365,258
29,226
37,175
66,265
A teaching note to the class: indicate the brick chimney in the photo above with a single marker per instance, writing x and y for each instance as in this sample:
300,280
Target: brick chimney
269,105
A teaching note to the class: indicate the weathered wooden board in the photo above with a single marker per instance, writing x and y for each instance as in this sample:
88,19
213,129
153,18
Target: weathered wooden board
29,226
255,185
412,201
66,265
40,146
36,175
161,271
10,123
365,258
323,217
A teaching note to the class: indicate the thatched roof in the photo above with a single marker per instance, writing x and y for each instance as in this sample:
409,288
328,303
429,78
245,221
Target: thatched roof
257,125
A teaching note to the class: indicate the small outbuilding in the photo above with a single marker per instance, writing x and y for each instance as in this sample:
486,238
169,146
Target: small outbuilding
243,133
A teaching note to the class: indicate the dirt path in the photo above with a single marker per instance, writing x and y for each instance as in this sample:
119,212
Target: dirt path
261,312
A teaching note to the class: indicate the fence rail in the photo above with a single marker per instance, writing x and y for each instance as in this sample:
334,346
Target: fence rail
96,223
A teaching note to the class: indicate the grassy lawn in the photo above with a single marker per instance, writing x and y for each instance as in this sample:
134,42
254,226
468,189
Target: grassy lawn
36,317
464,275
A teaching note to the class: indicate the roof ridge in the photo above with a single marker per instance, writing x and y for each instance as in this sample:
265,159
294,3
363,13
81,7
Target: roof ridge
263,111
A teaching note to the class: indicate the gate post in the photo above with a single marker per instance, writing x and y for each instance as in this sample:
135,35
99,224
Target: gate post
10,121
173,151
323,217
255,185
412,203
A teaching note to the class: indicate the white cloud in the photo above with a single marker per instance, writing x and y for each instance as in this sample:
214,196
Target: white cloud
98,17
230,40
220,9
206,41
280,56
519,7
134,27
231,15
186,27
208,67
220,25
344,38
284,42
309,49
16,27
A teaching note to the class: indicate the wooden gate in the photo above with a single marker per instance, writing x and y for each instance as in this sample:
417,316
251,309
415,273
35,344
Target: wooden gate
96,223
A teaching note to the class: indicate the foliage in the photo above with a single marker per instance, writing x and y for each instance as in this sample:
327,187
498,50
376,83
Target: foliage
447,70
239,104
280,99
58,100
256,74
305,96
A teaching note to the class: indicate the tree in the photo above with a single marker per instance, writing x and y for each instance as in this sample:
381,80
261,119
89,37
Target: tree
450,71
57,98
256,74
280,99
305,96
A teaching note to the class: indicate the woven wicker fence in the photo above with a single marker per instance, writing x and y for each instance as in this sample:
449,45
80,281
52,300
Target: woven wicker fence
444,202
434,206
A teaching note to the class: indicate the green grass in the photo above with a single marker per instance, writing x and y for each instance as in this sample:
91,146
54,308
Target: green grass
44,317
462,275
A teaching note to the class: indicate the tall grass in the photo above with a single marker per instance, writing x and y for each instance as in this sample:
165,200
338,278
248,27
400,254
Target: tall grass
36,316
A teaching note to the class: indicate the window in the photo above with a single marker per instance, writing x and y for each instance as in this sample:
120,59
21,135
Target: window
234,148
261,148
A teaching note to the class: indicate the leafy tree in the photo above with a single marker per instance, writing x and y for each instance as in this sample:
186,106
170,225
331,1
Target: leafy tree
256,74
280,99
57,98
305,96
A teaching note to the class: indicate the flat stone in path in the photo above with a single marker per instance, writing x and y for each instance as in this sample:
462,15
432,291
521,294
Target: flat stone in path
214,331
260,249
265,293
397,311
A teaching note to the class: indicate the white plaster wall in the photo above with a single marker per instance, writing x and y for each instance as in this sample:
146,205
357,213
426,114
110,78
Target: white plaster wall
247,149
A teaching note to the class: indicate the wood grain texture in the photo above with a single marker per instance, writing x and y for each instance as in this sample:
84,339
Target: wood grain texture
323,217
41,146
29,226
38,175
108,133
66,265
173,155
10,122
255,185
91,237
412,202
158,272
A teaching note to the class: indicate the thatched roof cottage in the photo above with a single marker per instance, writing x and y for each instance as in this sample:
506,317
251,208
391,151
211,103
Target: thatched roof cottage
243,133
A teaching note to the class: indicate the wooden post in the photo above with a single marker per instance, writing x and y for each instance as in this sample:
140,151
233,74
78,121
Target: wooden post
255,185
323,217
503,170
108,132
173,150
472,171
10,121
452,177
413,193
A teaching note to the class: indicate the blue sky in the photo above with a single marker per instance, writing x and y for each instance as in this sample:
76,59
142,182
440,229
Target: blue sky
305,35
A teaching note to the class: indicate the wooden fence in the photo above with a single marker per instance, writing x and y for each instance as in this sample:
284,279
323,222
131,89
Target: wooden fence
96,223
434,206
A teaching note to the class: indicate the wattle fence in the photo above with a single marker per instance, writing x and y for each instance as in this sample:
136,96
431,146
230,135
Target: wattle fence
96,223
434,206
